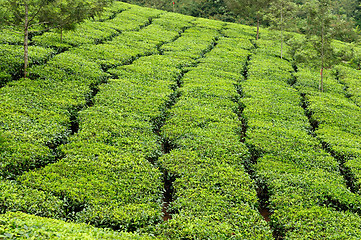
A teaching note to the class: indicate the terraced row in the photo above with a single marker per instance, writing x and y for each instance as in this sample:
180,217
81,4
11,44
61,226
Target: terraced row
336,118
78,146
214,198
300,180
108,181
117,19
42,113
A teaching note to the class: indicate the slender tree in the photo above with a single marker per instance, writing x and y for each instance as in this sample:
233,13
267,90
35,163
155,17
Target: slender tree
25,16
252,9
319,31
280,15
65,15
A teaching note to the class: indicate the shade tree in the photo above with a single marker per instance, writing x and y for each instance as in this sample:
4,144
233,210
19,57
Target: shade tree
251,9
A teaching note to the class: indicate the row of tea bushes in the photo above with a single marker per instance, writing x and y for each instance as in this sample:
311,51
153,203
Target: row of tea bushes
214,198
15,197
337,117
37,116
17,225
196,40
12,51
301,182
233,30
174,21
350,78
126,47
9,37
37,113
110,178
12,60
95,32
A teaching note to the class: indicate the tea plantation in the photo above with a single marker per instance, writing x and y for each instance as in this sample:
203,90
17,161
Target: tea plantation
145,124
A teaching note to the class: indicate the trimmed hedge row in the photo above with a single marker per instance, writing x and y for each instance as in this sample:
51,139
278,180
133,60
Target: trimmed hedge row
351,79
88,33
17,225
195,41
9,37
15,197
12,60
127,47
233,30
214,196
337,116
95,32
35,115
174,21
110,179
302,182
38,116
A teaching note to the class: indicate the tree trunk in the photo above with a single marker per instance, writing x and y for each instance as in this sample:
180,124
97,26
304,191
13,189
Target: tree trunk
281,33
257,28
26,41
61,34
322,59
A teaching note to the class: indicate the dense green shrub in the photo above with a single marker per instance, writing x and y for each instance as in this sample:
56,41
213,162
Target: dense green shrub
109,177
297,174
12,60
186,94
15,197
214,196
22,226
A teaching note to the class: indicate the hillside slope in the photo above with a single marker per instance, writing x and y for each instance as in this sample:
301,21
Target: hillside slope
168,126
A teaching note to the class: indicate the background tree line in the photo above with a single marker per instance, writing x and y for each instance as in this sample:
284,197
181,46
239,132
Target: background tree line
320,21
251,12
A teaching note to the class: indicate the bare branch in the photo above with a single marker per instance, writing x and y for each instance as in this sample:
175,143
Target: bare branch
37,12
10,23
40,23
14,31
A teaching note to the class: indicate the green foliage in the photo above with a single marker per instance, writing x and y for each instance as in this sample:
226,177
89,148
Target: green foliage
337,116
298,174
22,226
350,78
248,9
213,9
174,22
116,135
12,59
37,114
214,197
15,197
9,37
109,172
242,32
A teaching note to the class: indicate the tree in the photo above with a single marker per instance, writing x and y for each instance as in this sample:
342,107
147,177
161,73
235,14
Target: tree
25,14
357,13
29,16
280,14
65,15
319,31
252,9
